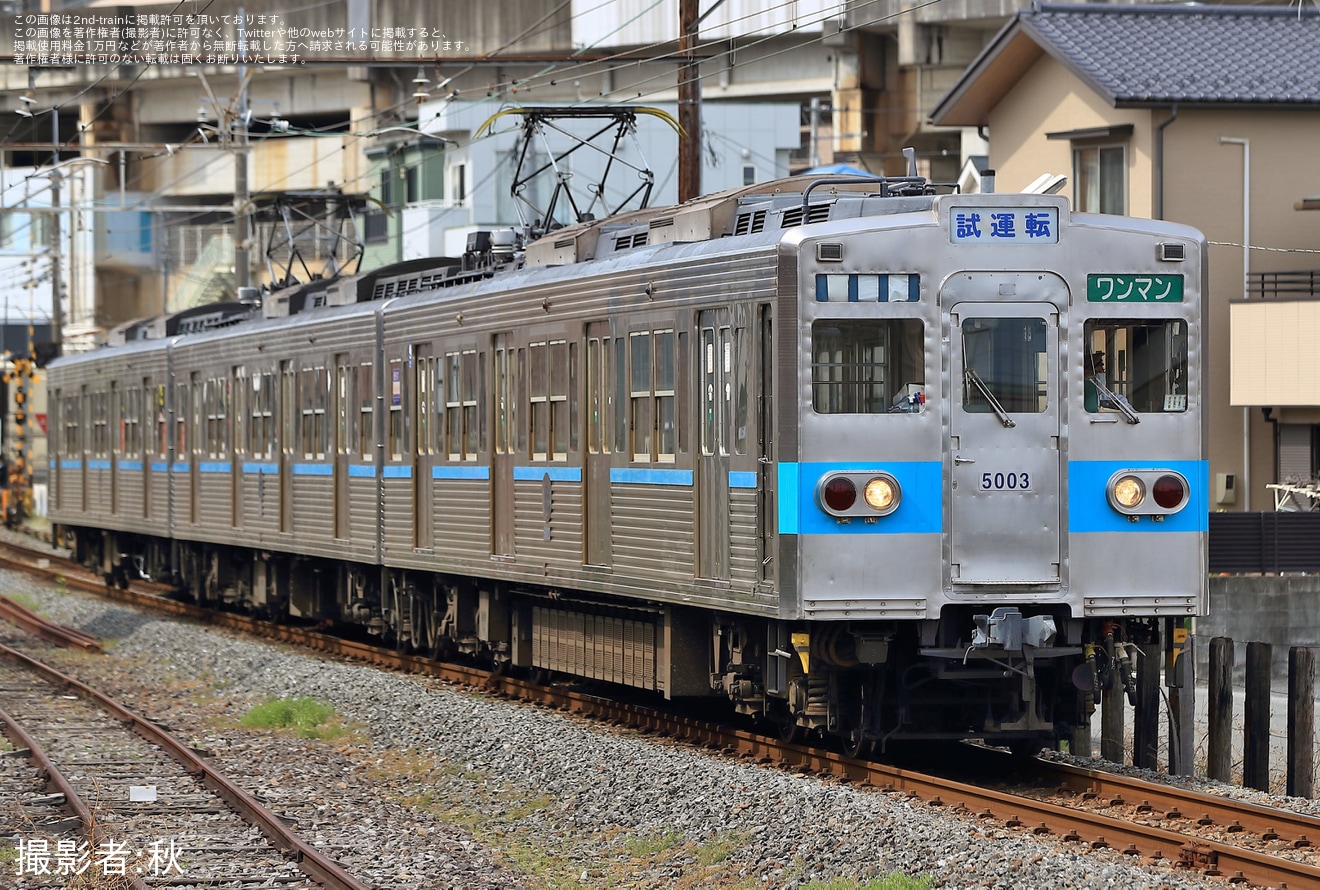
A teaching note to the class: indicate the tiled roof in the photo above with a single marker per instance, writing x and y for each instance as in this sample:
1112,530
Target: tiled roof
1193,54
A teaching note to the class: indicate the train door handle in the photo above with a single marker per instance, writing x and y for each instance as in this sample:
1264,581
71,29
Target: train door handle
964,460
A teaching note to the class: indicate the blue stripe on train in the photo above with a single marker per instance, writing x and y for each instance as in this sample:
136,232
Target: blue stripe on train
556,474
644,476
460,471
1088,505
921,510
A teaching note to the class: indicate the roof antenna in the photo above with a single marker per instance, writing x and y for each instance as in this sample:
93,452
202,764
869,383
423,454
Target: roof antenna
911,155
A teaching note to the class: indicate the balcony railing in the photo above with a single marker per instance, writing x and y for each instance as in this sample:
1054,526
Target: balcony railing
1284,285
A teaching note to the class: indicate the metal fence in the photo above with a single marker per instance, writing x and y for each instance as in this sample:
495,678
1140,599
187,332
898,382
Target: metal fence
1245,543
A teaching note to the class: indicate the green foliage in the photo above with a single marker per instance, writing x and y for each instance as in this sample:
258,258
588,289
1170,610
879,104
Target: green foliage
308,717
653,844
893,881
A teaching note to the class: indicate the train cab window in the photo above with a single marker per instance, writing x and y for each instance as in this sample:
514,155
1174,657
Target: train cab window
865,366
1005,363
1135,364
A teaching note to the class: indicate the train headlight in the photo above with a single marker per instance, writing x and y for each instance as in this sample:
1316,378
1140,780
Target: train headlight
838,494
1153,492
1129,492
881,494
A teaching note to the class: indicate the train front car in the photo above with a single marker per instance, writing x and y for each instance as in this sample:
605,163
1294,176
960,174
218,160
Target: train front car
996,481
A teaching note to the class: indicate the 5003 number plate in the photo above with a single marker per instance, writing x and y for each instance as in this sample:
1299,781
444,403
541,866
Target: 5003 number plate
1005,482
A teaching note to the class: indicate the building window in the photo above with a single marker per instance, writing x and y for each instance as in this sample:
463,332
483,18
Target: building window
749,174
1100,174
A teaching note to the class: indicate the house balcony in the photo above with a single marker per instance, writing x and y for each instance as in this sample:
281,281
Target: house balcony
1274,341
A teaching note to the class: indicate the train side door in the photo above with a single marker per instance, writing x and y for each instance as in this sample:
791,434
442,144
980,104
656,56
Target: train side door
1004,425
504,453
598,549
288,411
715,381
344,392
422,393
117,409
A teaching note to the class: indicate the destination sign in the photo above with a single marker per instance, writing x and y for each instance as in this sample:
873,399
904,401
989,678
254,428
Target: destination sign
1134,288
1004,225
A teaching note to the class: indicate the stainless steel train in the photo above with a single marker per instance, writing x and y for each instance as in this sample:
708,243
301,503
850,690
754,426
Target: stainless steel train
859,458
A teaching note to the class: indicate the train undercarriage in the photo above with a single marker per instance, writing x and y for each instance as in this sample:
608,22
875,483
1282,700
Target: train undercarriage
1024,681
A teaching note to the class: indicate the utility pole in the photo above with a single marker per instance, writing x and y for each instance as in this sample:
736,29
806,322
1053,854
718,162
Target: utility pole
689,104
242,222
56,278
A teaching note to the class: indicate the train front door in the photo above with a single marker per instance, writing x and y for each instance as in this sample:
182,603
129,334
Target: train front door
715,381
1004,435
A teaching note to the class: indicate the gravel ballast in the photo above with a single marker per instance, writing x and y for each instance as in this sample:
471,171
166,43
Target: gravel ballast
428,787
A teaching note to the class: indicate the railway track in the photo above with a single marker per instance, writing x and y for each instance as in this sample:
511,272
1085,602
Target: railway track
148,812
1249,844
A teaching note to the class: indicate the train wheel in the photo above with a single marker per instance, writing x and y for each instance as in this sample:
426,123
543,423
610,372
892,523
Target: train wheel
789,732
856,744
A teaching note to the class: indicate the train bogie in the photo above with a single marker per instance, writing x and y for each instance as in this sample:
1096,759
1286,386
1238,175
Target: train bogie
867,461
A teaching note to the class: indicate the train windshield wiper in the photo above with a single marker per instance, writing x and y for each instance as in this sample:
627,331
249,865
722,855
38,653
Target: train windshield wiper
1112,400
971,377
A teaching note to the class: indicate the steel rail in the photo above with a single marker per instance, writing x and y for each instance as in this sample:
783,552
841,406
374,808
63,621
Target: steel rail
1171,802
21,739
1094,829
61,635
311,861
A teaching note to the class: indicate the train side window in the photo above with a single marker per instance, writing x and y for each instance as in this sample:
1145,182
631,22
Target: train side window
453,407
618,395
865,366
641,418
315,426
100,425
366,434
538,377
666,441
181,403
1138,362
560,371
397,434
240,394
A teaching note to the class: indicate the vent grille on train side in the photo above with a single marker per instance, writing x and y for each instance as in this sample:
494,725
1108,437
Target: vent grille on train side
627,242
750,223
793,216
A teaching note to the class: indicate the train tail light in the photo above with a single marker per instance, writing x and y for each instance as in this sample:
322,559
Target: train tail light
1169,492
839,494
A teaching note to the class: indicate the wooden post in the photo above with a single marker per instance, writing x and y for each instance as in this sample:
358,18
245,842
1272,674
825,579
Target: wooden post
1182,713
1256,745
1301,721
1221,709
689,103
1146,721
1112,747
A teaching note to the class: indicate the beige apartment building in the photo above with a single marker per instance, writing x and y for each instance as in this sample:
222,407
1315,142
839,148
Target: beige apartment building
1206,115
